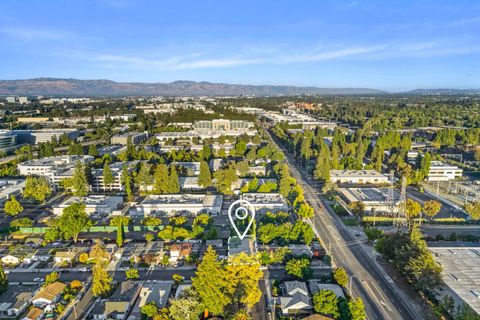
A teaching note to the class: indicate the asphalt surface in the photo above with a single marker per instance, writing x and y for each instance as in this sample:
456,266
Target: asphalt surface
447,211
378,292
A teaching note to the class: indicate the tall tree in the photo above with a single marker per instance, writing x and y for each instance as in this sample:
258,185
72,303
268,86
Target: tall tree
206,152
143,178
37,188
12,206
322,168
73,220
127,182
205,176
210,283
3,279
326,302
161,178
92,150
108,178
432,207
101,281
224,179
80,181
173,184
120,235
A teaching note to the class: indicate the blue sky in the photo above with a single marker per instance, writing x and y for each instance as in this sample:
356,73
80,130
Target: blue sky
392,45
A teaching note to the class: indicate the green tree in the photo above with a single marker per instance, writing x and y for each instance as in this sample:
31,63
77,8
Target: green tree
23,222
187,307
243,168
120,235
210,283
92,150
341,277
132,273
240,148
151,221
37,188
173,184
73,220
206,152
101,281
149,310
51,278
80,181
241,314
13,207
322,168
108,178
325,302
161,178
299,268
127,182
3,279
75,149
431,208
205,176
305,211
143,178
177,278
224,179
46,149
357,309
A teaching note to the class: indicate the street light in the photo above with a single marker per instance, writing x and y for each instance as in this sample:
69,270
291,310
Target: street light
350,284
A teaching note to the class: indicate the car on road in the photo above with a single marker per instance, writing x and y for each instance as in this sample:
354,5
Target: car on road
38,280
84,269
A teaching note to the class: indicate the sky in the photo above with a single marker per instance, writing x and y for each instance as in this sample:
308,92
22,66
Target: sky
391,45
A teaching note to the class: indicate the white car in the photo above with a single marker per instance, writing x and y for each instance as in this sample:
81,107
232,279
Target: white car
38,280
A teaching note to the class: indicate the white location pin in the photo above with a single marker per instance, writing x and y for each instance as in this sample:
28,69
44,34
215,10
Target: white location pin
241,210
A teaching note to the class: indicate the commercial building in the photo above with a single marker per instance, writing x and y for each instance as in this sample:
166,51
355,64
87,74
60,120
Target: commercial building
189,168
8,140
202,134
44,135
440,171
10,187
357,177
460,272
94,205
297,119
173,204
263,202
55,169
98,184
112,150
375,199
136,137
222,125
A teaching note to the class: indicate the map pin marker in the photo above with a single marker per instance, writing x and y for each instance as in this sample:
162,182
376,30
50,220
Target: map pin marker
241,210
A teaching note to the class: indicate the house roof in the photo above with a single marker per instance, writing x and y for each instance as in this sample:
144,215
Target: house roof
292,287
34,313
51,291
297,301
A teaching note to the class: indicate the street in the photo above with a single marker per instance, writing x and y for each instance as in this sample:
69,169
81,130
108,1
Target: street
378,292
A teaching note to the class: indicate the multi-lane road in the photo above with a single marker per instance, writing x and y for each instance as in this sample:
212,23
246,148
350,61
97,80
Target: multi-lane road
379,293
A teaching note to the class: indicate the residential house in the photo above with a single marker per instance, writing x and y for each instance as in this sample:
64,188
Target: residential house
316,286
181,288
15,300
119,304
151,291
68,256
48,295
296,299
179,251
34,314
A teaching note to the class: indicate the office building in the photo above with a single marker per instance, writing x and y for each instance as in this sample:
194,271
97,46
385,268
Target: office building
440,171
357,177
174,204
136,138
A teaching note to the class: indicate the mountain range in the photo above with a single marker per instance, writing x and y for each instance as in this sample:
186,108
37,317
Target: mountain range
76,87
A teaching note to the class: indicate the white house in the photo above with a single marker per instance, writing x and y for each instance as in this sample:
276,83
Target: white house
296,300
48,295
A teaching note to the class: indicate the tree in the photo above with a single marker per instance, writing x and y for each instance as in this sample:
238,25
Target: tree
243,168
206,152
210,283
37,188
187,307
431,208
326,302
224,179
45,149
425,165
22,222
117,220
108,178
143,178
13,207
205,176
242,276
73,221
373,233
151,221
357,309
98,254
127,182
83,258
341,277
149,310
161,178
173,184
412,208
322,168
51,278
132,273
357,207
240,148
177,278
92,150
3,279
80,181
120,235
75,149
305,211
102,281
473,209
299,268
241,314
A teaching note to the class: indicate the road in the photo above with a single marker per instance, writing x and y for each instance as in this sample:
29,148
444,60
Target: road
378,292
447,211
